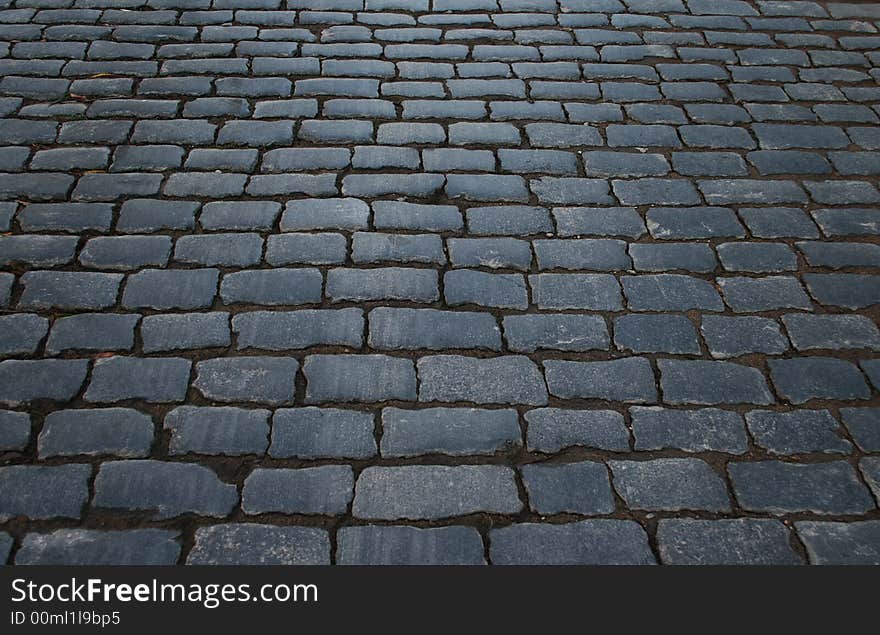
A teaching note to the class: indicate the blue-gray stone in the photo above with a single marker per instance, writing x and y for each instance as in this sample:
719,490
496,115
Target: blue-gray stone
589,542
79,547
435,491
316,433
701,430
670,485
553,429
782,488
117,431
163,490
579,488
735,541
314,490
451,431
217,430
399,545
41,492
254,544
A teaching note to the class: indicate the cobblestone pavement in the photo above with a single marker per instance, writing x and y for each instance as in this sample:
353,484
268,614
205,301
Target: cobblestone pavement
446,281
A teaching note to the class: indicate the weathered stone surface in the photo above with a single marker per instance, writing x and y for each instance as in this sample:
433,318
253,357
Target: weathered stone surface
366,378
268,380
553,429
579,488
223,430
24,381
669,484
41,492
117,431
434,491
780,488
162,489
452,431
78,547
701,430
841,543
507,380
313,433
586,542
630,380
255,544
398,545
741,541
313,490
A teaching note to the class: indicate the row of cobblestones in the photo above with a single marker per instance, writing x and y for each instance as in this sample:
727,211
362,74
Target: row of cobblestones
439,281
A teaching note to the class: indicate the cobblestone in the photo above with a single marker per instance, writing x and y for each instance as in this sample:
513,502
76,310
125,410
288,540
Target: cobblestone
610,258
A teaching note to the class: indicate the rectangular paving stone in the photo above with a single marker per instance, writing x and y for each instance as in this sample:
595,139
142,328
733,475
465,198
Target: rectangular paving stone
170,289
747,295
185,331
15,430
864,427
36,250
797,432
314,433
325,490
273,287
68,290
670,292
735,541
656,334
581,488
399,545
630,380
414,329
415,216
528,333
256,544
24,381
580,254
669,484
588,542
801,379
727,336
597,292
449,431
511,379
148,547
711,383
852,291
779,488
389,283
701,430
156,380
831,331
267,380
116,431
840,543
485,289
333,213
124,253
148,215
21,333
690,256
92,332
291,330
42,492
434,492
553,429
358,378
163,489
693,222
